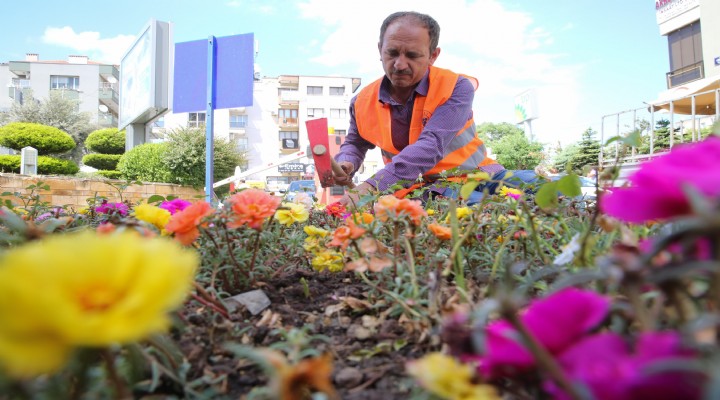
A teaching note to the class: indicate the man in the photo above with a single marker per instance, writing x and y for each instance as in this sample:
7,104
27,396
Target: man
419,115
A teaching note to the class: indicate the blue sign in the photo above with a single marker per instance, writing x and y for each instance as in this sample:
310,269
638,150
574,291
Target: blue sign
233,73
717,60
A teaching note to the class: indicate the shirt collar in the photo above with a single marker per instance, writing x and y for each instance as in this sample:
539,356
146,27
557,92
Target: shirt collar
421,89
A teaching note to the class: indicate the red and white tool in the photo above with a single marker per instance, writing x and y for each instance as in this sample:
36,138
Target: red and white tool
325,165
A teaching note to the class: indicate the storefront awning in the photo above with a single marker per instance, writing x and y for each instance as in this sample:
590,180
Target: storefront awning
681,97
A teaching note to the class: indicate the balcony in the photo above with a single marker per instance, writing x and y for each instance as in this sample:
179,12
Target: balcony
685,74
19,93
107,119
19,68
110,73
108,95
288,122
71,94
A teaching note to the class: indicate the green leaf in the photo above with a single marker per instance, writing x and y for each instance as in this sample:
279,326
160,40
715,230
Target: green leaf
613,139
156,198
633,139
569,185
546,196
467,189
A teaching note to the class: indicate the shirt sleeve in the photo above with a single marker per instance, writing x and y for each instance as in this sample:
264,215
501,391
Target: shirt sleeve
418,158
354,147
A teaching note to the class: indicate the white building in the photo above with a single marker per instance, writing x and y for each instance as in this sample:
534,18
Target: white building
92,83
274,126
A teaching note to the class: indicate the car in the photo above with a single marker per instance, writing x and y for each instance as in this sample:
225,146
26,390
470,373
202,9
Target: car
296,187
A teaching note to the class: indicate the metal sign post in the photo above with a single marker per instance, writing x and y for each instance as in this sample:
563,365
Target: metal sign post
209,120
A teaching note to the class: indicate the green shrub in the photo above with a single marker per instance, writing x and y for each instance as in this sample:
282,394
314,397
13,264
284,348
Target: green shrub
46,165
55,166
46,139
106,141
102,161
110,174
10,163
145,163
185,157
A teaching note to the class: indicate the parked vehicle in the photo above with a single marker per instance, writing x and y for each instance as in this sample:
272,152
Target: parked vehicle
296,187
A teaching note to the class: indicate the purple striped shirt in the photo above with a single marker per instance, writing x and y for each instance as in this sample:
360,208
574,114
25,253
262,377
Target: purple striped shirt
417,158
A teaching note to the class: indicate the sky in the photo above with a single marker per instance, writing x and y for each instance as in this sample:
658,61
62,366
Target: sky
583,59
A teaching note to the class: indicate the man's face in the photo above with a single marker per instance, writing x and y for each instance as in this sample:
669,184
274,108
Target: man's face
405,52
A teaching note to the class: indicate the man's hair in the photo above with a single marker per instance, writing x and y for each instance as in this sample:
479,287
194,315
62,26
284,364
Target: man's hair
425,20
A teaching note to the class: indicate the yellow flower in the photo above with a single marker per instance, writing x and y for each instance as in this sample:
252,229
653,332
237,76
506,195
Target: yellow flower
430,211
332,260
312,230
289,213
86,290
449,379
84,210
152,215
510,192
460,212
312,244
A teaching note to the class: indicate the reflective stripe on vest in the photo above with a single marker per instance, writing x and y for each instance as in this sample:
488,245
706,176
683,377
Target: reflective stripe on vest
465,151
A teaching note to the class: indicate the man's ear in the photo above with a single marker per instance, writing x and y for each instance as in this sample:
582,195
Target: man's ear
434,55
380,49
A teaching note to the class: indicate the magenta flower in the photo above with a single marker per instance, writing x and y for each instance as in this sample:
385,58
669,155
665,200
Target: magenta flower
112,208
605,366
557,322
656,190
175,205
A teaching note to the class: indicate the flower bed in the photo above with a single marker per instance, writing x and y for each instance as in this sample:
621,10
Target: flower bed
520,296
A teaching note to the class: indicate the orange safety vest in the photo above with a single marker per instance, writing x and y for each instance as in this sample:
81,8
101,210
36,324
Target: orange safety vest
465,151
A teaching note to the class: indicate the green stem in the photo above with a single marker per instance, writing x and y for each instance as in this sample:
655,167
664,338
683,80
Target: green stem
411,263
121,389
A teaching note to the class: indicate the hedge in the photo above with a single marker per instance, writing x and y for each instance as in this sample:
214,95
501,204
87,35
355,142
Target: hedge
106,141
110,174
145,163
46,165
45,139
102,161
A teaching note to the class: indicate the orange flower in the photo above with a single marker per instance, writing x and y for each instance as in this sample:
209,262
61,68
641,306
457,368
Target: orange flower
105,228
441,232
292,381
364,218
388,206
343,234
251,207
185,223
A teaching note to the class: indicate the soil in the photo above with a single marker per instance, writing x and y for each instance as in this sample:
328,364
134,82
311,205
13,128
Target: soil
369,346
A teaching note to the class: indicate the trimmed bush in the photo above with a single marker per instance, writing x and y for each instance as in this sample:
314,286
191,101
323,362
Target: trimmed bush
110,174
46,139
46,165
102,161
106,141
55,166
10,163
145,163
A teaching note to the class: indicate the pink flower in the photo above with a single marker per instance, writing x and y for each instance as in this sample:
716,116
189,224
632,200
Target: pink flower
606,366
175,205
112,208
657,187
556,322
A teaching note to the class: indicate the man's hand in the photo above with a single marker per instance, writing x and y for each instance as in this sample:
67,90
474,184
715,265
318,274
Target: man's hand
344,180
352,196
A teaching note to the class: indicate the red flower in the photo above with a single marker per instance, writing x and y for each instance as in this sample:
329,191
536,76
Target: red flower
185,223
336,209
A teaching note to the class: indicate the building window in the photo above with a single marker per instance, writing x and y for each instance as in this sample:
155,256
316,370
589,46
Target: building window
288,94
238,121
315,90
196,120
337,90
288,116
686,58
342,132
338,113
64,82
337,190
159,123
290,139
242,143
316,112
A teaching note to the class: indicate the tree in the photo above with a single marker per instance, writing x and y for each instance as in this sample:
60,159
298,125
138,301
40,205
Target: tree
491,132
57,111
588,151
565,156
515,151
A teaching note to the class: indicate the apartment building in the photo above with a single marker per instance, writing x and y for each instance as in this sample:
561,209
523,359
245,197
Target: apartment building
93,84
274,127
692,28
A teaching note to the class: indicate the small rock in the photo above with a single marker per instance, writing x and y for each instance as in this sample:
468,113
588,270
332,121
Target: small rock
348,377
359,332
255,301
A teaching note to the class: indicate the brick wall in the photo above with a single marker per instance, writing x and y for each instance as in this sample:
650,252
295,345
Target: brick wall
75,191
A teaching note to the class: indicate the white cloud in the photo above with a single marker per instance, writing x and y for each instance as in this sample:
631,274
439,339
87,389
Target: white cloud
108,50
507,50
